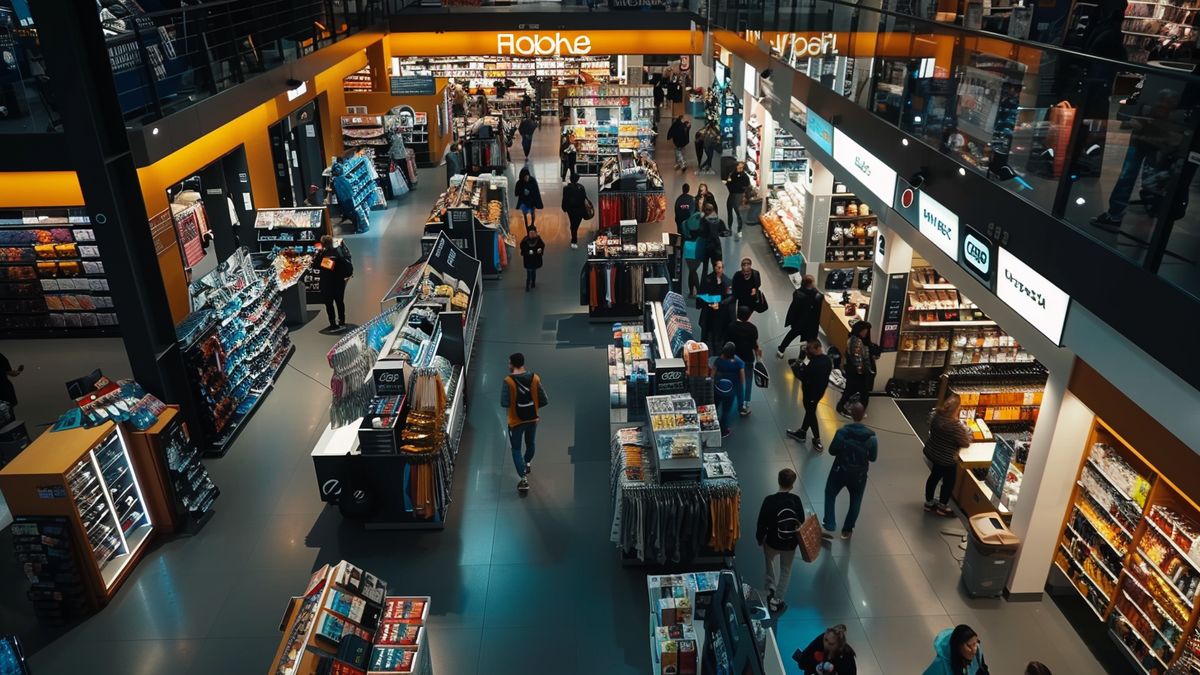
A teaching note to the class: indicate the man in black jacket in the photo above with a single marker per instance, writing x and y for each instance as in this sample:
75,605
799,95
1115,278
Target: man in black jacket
574,204
716,305
680,134
685,206
803,315
813,383
746,285
779,520
738,181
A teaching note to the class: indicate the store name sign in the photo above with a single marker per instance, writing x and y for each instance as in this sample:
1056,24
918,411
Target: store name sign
977,257
871,171
939,225
1031,295
539,44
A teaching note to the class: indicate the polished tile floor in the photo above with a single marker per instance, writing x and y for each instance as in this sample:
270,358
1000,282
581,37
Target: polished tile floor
520,584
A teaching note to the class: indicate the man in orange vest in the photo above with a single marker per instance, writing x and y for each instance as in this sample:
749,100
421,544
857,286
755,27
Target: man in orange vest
522,394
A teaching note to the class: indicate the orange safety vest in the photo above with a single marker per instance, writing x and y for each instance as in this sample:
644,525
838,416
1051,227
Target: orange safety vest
513,420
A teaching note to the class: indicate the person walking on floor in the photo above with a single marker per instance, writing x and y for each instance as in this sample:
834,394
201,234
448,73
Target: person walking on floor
956,651
695,249
853,448
779,520
803,316
455,164
574,204
532,250
705,196
813,381
747,284
947,435
744,336
529,196
685,207
523,396
527,127
566,155
859,367
715,303
712,147
737,181
728,374
827,654
711,229
680,134
698,142
333,270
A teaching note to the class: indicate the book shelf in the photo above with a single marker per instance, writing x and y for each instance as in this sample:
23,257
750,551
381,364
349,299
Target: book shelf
1155,29
482,71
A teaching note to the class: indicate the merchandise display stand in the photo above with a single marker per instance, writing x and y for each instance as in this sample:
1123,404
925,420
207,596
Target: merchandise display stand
485,144
52,281
630,189
613,277
605,118
293,234
783,224
473,212
345,623
387,458
177,473
234,342
364,192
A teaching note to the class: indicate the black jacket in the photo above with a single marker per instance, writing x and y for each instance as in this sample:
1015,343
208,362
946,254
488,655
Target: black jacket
721,317
532,251
805,311
678,133
528,193
738,181
527,128
778,518
685,206
843,663
741,287
333,269
816,377
574,200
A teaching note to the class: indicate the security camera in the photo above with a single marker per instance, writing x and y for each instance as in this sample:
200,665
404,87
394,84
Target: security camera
293,83
766,74
917,180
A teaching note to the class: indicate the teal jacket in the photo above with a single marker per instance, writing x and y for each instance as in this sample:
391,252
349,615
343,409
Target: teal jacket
941,659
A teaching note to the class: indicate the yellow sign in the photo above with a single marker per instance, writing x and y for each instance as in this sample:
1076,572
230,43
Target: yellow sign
539,44
547,43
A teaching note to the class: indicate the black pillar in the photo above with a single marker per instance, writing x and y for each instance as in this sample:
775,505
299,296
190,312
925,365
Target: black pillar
82,81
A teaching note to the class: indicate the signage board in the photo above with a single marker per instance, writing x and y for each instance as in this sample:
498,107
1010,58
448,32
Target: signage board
871,171
906,202
670,377
412,85
997,474
1031,295
820,131
388,380
893,311
977,255
938,224
460,227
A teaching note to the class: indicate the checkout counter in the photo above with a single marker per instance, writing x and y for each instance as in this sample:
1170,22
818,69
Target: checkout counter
989,478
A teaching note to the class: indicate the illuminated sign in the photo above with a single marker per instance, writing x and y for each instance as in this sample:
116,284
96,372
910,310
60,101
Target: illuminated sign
1031,295
871,171
296,93
939,224
820,131
540,44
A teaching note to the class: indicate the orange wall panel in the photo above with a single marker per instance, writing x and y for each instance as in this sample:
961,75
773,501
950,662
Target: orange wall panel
40,189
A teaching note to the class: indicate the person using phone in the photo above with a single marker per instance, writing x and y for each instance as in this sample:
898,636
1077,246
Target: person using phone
827,654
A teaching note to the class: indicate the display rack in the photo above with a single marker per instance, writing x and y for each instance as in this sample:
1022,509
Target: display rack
754,151
1158,29
46,549
473,212
363,190
415,132
485,144
612,287
605,119
370,134
299,230
789,161
783,223
628,367
358,81
851,233
52,281
630,189
400,394
1000,396
234,344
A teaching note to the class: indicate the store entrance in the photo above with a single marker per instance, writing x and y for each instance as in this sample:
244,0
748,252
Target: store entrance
208,208
298,155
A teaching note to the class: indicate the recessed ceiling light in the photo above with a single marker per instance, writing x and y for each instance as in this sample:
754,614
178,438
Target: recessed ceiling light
1080,201
904,142
154,131
962,171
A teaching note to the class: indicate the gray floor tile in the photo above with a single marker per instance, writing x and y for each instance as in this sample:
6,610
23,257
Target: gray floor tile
904,645
902,591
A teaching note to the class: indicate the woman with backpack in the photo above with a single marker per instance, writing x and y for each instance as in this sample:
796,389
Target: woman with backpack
729,379
947,435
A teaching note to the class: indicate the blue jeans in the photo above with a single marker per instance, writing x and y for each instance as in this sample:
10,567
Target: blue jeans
724,409
749,386
515,434
857,485
1118,200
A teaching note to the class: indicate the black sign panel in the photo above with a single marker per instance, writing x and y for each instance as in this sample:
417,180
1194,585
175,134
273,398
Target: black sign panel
670,377
893,311
388,381
413,85
447,258
460,227
977,255
906,202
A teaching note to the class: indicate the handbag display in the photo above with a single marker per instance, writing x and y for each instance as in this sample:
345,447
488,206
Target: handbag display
809,535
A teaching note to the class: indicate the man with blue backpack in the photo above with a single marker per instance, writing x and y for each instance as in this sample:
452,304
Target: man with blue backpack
854,447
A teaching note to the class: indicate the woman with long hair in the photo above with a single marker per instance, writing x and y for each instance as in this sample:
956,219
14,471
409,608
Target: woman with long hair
957,652
828,653
947,435
858,364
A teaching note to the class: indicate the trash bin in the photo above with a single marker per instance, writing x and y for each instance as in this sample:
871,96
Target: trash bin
991,548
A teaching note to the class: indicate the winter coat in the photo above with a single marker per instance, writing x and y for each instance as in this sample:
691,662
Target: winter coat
685,206
742,286
715,319
529,194
532,251
738,181
574,200
941,661
334,273
858,357
843,663
816,377
853,440
778,519
805,311
946,437
678,133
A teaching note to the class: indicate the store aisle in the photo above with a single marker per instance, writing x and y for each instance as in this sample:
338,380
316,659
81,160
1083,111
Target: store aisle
523,581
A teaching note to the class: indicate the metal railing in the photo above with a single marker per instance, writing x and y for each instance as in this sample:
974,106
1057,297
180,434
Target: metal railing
1107,146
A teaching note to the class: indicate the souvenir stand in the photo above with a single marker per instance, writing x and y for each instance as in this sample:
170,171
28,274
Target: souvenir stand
630,188
387,457
485,144
473,212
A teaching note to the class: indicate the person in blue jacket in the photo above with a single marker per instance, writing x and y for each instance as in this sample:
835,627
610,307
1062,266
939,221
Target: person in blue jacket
957,652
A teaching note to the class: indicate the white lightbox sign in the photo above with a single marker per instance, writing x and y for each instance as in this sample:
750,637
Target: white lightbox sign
1040,302
879,178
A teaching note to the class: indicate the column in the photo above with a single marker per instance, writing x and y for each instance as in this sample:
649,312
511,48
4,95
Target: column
633,69
893,255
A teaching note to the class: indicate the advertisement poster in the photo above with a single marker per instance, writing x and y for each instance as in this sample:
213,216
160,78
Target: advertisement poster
893,311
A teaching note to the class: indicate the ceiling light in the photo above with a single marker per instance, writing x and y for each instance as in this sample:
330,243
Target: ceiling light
154,131
1080,201
962,171
904,142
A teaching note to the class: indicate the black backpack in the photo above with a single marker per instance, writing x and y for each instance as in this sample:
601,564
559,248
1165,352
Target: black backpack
527,409
855,460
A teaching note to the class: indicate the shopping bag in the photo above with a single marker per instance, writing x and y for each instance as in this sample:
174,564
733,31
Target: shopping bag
760,301
761,377
809,535
691,250
589,211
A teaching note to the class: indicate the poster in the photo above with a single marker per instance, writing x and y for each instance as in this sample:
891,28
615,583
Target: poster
893,311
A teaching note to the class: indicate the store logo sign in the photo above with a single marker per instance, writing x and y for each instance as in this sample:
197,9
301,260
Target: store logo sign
939,225
907,197
978,255
1031,295
539,44
871,171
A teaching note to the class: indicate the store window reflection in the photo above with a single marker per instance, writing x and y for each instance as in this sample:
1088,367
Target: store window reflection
26,105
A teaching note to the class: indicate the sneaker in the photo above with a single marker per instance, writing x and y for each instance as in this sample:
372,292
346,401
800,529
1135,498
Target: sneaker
739,234
528,468
745,411
523,486
778,354
930,505
846,534
817,445
726,433
795,435
574,245
944,511
773,604
828,534
1105,220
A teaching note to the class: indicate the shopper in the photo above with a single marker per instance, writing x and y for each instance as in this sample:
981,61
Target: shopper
747,284
532,250
804,314
705,196
529,196
728,374
459,107
779,520
8,393
744,336
685,206
312,199
566,155
523,396
956,651
853,448
715,303
481,104
712,147
813,381
698,141
527,127
526,105
574,204
680,135
712,227
737,181
947,435
660,95
333,271
859,367
828,654
455,164
695,249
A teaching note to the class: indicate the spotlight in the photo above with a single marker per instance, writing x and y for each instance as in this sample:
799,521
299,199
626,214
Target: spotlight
904,142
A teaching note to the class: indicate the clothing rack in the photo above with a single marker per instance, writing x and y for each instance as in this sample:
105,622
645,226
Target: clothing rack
612,288
644,206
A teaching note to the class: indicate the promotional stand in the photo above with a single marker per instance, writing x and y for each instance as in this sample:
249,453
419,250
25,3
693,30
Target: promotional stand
473,213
